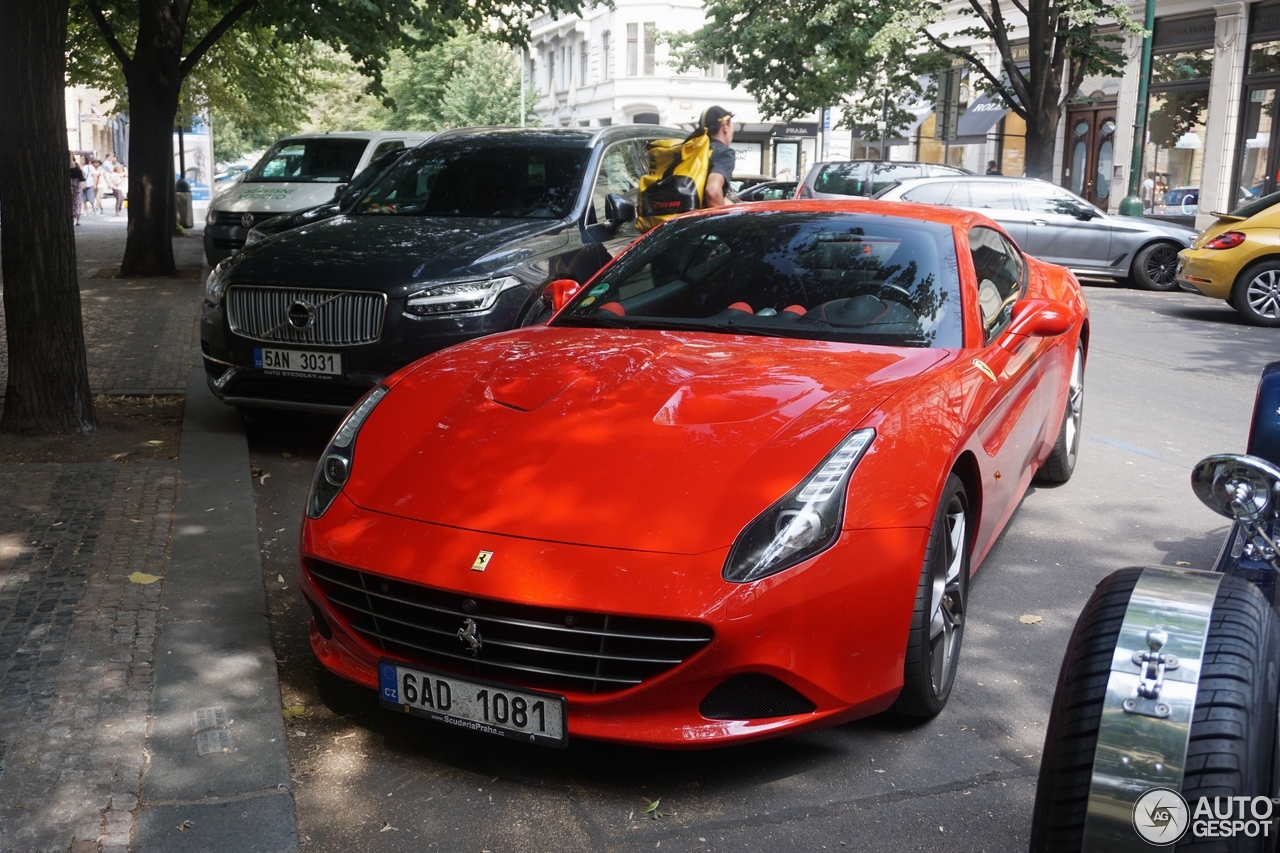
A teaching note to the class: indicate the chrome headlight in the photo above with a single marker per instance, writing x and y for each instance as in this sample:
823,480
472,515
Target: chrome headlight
335,465
216,284
459,296
211,216
805,522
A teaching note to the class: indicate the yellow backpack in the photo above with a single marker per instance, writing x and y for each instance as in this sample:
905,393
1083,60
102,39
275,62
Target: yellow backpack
676,180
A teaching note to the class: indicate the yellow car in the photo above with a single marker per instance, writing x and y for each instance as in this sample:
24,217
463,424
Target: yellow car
1238,259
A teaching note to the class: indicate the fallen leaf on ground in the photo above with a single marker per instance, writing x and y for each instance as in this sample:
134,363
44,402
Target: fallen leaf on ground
651,808
292,711
155,442
1030,619
185,825
262,481
143,577
1181,563
386,826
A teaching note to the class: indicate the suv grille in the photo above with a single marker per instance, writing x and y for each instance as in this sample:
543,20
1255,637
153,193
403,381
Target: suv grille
534,646
337,318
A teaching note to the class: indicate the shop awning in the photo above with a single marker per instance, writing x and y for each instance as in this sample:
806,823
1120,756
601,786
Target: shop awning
980,117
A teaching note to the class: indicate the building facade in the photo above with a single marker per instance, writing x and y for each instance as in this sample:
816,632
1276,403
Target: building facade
609,66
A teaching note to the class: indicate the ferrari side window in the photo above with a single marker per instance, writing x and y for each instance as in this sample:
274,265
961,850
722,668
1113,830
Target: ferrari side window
1000,271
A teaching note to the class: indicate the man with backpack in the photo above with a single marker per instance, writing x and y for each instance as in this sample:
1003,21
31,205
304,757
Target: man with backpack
717,123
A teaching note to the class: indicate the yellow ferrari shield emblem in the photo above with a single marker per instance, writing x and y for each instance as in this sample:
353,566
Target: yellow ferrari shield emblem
984,370
482,560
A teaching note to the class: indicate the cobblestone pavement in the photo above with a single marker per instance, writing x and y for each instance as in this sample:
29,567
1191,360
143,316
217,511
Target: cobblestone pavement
77,636
140,334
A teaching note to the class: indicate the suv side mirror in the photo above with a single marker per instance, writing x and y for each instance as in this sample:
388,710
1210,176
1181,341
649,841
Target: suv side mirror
617,210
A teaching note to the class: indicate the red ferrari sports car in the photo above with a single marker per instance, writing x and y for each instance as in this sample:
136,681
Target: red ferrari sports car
734,488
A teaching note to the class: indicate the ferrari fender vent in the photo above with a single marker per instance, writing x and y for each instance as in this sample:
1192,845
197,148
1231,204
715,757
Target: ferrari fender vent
751,696
520,644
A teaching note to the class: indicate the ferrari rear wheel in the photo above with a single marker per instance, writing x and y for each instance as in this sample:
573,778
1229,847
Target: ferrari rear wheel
937,622
1062,459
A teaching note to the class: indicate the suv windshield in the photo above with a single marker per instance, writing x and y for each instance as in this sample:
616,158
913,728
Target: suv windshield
817,275
480,180
309,161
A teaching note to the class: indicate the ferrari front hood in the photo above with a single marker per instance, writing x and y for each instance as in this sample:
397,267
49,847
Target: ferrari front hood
644,440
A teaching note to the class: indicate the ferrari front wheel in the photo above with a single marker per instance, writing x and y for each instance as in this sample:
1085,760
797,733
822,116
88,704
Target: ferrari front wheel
937,622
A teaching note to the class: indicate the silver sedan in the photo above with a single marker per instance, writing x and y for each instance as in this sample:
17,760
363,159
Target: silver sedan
1058,226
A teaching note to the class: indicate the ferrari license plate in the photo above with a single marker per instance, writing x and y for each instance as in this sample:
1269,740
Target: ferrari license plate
479,705
298,361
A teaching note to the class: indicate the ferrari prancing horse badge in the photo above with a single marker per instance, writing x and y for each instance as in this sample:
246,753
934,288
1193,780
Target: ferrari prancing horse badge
482,560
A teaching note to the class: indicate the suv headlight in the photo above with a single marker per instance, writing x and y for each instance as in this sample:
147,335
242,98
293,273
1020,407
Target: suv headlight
456,297
216,284
335,465
211,217
805,522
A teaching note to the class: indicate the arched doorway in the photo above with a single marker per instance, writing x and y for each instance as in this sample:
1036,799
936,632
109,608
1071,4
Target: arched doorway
1090,152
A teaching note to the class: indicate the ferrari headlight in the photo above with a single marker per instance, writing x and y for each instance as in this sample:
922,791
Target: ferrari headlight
805,522
215,284
456,297
335,465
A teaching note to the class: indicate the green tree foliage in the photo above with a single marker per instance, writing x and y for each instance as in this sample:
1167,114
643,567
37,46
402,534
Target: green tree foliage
157,46
798,56
485,89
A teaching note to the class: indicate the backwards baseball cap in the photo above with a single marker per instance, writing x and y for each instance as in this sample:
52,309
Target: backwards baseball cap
713,117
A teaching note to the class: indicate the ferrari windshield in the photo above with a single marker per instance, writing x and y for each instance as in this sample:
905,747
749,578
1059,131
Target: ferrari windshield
854,277
478,180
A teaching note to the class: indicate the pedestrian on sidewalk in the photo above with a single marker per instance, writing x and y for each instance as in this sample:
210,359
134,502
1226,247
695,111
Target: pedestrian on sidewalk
121,185
99,186
77,188
90,185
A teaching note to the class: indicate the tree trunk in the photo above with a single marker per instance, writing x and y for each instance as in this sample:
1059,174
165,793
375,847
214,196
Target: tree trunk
154,82
48,383
1042,140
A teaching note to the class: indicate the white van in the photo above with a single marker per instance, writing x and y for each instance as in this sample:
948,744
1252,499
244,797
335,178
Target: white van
296,173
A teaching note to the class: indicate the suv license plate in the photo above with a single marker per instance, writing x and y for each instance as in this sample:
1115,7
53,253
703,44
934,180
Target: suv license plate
298,361
479,705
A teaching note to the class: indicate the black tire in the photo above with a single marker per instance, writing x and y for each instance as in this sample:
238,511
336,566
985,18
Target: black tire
1155,267
937,621
537,314
1233,730
1256,294
1057,469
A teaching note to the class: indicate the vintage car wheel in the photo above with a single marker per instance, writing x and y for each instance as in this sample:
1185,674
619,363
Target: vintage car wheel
1155,267
1256,294
1062,459
1232,743
937,622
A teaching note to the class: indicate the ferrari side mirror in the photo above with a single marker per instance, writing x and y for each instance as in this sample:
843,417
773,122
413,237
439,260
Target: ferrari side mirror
1040,318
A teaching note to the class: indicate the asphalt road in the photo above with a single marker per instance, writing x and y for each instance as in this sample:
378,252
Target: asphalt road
1170,379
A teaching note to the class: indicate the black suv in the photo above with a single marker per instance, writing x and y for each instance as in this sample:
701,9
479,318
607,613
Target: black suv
458,239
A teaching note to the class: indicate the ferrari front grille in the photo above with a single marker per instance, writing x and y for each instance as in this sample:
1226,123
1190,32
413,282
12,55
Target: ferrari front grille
300,316
539,647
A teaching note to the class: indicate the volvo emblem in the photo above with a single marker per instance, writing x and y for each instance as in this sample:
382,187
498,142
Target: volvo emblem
469,633
300,314
247,220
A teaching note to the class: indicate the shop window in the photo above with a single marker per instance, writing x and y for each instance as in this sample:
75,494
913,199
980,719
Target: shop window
1177,110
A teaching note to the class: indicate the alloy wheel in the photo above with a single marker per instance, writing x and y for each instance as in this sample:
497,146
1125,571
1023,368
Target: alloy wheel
946,625
1263,294
1075,402
1162,266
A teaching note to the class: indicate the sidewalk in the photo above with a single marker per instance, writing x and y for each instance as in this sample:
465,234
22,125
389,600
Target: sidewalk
139,716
